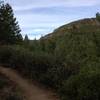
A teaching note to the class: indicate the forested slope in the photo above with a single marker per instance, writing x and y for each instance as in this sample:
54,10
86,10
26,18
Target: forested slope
68,60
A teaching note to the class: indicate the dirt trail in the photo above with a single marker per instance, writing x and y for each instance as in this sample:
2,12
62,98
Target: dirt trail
30,91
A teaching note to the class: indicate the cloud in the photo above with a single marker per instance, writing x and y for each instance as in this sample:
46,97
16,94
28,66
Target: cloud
38,17
29,4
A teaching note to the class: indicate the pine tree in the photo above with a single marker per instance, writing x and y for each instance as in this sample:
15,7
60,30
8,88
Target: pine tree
26,38
98,16
9,28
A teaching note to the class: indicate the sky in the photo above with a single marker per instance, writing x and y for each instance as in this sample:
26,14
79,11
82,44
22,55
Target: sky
40,17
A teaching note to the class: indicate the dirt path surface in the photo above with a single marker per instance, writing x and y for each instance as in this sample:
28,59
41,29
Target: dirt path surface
30,91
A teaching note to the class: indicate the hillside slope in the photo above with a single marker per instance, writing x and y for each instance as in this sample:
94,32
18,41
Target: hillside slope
87,25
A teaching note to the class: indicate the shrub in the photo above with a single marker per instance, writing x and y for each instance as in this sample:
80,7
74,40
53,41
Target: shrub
84,86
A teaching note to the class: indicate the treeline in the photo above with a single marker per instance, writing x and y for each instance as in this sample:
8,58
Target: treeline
70,63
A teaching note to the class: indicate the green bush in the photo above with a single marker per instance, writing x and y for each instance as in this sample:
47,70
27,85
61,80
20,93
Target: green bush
84,86
32,64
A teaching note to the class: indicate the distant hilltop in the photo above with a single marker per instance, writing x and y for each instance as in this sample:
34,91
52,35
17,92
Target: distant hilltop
86,25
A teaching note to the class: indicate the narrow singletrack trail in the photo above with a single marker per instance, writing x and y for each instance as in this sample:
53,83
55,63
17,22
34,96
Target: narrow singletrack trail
29,90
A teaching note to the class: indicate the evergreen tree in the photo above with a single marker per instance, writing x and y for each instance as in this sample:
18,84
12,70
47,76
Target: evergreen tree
98,16
9,28
26,39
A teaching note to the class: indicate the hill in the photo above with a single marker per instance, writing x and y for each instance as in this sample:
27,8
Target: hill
87,25
77,47
67,60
